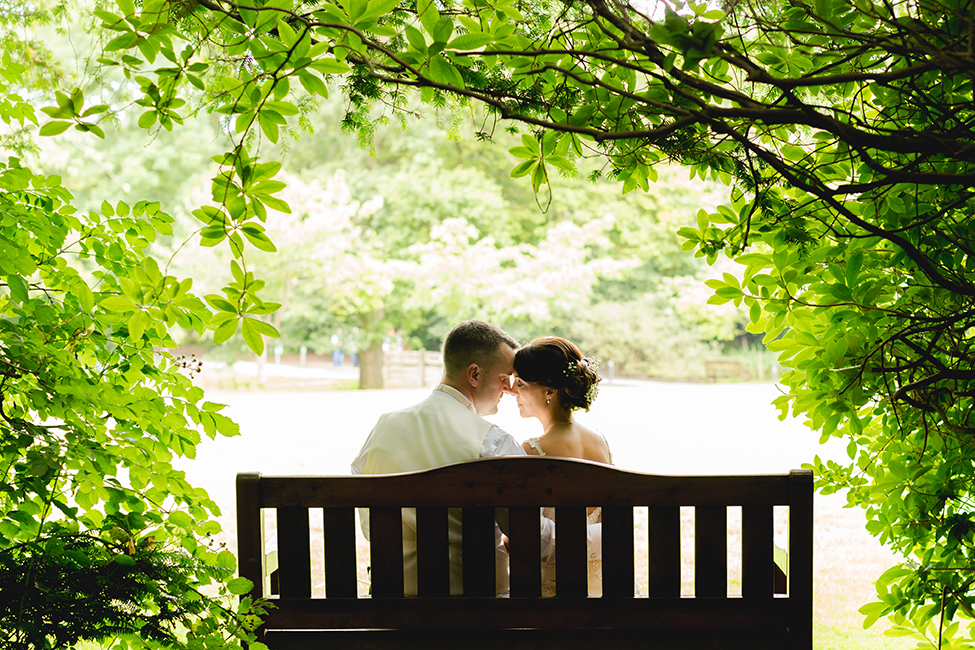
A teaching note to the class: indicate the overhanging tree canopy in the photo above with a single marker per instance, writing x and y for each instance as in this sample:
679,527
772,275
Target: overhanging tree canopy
844,130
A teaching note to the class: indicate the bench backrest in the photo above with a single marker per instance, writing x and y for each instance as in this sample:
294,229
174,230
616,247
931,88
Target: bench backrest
523,485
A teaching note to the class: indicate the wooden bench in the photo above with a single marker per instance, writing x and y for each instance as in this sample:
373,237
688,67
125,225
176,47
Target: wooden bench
726,368
757,618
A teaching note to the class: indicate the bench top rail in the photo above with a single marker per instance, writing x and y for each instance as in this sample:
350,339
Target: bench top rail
522,481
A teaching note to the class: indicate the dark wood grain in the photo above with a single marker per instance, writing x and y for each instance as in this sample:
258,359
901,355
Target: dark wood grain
294,553
386,551
340,570
618,551
479,551
432,552
757,561
571,552
523,481
250,531
524,556
711,551
663,533
571,613
535,639
801,558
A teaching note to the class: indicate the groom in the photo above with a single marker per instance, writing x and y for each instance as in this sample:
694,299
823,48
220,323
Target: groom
447,427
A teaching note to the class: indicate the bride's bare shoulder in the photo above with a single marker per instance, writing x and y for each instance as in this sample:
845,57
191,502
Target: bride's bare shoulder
595,445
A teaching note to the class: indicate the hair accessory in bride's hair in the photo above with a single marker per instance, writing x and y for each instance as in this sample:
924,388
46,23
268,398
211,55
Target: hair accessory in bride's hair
585,370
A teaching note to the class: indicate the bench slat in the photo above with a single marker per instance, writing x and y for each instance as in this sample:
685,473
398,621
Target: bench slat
801,558
711,551
571,554
478,551
386,551
663,532
617,551
571,613
340,573
432,551
294,553
525,562
250,531
757,560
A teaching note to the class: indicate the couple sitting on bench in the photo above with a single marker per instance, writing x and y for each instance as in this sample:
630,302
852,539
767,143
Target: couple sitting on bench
550,379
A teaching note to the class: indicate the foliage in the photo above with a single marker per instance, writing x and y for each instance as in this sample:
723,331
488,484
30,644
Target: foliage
641,337
91,413
844,129
95,588
101,536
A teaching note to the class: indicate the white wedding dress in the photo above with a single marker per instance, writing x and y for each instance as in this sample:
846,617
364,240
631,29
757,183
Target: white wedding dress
595,561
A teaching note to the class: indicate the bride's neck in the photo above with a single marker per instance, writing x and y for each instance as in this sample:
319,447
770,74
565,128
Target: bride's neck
553,420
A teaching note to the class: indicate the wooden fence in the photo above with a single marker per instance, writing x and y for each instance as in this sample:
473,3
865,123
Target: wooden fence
412,369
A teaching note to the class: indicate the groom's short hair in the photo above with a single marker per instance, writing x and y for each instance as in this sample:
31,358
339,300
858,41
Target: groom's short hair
473,341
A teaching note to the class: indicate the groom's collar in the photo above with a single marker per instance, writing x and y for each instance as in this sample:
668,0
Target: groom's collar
457,395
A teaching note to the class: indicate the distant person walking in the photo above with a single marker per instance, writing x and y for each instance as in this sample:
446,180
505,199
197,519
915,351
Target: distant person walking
338,354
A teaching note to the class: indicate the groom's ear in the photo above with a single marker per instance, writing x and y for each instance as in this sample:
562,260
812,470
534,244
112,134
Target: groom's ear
473,374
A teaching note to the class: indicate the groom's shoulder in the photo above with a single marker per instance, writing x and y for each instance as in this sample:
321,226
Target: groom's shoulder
432,403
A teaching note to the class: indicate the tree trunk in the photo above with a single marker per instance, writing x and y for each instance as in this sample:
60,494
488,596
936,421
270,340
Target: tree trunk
371,367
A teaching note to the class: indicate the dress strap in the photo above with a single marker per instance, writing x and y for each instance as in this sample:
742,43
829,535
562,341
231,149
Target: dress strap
533,443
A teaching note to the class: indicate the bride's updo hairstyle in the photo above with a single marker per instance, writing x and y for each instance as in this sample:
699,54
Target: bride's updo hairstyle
554,362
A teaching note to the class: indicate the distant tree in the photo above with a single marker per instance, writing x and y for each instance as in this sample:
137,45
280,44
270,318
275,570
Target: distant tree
461,275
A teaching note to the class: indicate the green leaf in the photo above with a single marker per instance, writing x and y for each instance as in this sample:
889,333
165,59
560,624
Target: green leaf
376,9
561,163
138,323
252,337
429,15
532,144
523,152
286,33
328,65
443,71
225,331
415,38
443,30
119,304
147,119
90,128
122,42
239,587
54,128
264,328
470,41
523,169
18,288
539,176
221,304
313,84
269,126
259,240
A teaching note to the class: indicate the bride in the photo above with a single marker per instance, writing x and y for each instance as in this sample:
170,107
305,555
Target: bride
551,380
